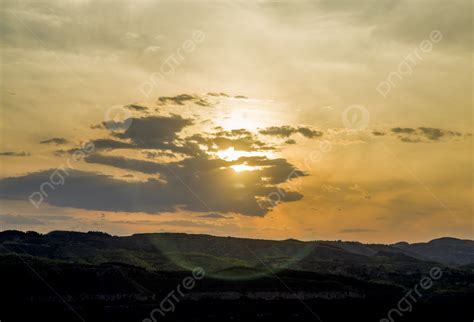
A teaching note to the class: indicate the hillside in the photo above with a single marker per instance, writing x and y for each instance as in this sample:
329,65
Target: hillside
109,278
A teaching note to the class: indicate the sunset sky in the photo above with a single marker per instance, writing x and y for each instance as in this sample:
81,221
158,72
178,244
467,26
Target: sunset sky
311,120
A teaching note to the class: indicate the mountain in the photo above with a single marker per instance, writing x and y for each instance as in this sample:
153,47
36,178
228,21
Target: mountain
110,278
164,251
450,251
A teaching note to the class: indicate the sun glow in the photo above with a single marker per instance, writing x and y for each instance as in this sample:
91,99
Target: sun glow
252,113
231,154
243,167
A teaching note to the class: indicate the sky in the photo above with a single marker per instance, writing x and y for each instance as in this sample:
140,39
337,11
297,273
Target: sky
314,120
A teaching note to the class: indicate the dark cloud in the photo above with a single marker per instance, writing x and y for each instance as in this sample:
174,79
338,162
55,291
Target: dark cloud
233,133
423,134
32,220
214,215
178,99
245,141
160,133
182,99
308,132
202,102
157,154
109,144
136,107
274,171
14,154
280,131
239,139
286,131
56,141
378,133
56,217
128,164
432,133
405,130
154,132
20,220
218,94
193,184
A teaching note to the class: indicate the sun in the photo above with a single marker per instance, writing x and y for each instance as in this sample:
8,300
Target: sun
230,154
243,167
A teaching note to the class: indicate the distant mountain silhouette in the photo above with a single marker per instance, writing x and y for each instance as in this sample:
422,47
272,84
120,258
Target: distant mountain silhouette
110,278
168,251
445,250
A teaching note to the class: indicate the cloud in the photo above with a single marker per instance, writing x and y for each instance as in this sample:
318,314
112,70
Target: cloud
57,218
422,134
357,230
403,22
179,146
109,144
199,181
286,131
273,170
137,107
183,223
406,22
14,154
218,94
20,220
363,192
226,95
56,141
162,133
308,132
214,215
193,184
154,131
405,130
234,133
156,154
410,140
240,139
432,133
182,99
128,164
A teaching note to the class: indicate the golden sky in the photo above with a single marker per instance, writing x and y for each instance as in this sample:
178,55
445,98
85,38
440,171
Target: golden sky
311,120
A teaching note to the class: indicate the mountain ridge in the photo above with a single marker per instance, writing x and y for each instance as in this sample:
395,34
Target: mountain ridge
93,232
445,250
112,278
